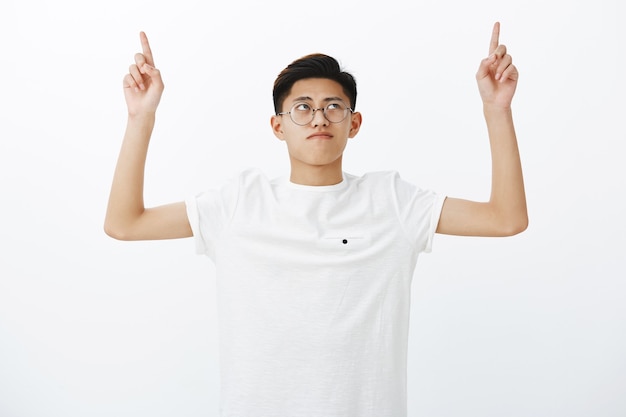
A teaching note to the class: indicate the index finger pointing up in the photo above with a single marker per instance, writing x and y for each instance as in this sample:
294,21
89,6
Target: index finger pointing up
495,38
145,46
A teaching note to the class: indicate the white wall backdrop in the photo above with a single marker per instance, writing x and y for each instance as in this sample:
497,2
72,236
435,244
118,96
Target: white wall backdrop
533,325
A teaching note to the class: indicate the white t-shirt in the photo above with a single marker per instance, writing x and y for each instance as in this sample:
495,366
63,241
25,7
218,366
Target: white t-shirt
313,291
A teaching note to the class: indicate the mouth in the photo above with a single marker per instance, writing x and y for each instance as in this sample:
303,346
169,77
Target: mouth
320,135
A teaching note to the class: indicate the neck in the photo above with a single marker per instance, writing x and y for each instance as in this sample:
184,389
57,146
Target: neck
316,175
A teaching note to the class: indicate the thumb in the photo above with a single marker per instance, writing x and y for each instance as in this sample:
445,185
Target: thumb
485,65
153,73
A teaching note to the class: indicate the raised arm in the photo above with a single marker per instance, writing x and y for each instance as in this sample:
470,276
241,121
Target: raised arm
505,213
126,217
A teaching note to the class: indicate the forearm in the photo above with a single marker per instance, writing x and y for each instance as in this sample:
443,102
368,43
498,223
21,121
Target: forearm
508,197
126,203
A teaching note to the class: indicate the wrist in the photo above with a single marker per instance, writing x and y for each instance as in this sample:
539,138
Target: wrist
492,109
147,116
140,125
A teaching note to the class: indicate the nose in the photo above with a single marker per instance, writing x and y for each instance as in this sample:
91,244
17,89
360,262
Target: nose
317,114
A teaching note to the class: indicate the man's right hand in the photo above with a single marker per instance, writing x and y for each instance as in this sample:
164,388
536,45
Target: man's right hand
143,85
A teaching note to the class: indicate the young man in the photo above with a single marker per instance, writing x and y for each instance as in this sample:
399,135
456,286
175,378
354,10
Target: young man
314,269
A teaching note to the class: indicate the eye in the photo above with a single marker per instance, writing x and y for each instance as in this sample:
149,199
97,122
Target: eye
301,107
335,105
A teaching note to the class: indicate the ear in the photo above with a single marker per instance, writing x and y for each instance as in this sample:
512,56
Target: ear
355,124
277,127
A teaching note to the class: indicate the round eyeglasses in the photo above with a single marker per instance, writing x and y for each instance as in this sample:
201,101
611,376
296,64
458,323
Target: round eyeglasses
303,114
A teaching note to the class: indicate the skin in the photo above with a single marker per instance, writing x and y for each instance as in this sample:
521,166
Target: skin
505,213
316,151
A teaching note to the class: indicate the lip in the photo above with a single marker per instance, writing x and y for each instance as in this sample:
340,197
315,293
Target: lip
320,135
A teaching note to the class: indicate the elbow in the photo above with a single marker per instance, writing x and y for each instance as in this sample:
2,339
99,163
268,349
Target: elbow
515,226
121,227
116,232
523,224
112,232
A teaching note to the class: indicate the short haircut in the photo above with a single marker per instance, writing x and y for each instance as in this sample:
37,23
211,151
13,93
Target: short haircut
312,66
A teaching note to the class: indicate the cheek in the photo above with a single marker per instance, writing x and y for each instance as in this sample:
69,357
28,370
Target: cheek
289,132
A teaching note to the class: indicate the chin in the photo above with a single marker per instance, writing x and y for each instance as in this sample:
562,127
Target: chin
319,161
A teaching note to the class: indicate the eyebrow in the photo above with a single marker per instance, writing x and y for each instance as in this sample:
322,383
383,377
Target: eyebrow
307,98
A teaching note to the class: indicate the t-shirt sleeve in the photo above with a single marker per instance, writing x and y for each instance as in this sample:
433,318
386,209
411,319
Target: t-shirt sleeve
419,211
208,213
435,214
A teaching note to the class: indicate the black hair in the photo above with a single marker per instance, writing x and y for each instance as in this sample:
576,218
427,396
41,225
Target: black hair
312,66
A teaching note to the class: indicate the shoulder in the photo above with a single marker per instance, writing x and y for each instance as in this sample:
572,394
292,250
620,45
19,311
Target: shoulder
249,178
392,187
251,175
235,185
385,179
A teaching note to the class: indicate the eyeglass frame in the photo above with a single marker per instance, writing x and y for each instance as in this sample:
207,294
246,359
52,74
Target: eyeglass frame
323,109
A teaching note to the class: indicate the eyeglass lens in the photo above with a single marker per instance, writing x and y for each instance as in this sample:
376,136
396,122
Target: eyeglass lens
302,113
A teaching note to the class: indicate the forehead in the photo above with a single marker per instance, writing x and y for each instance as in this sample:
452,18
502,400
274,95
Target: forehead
316,89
